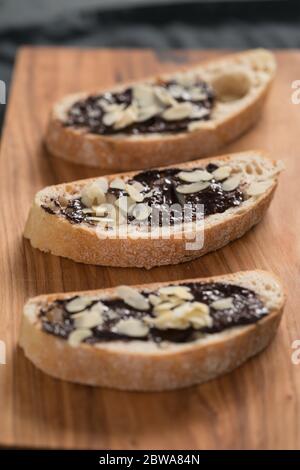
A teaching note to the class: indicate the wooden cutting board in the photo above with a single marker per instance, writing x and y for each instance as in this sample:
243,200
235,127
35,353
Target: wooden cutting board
256,406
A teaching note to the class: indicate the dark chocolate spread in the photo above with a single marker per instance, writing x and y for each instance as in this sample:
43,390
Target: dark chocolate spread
162,184
88,113
246,308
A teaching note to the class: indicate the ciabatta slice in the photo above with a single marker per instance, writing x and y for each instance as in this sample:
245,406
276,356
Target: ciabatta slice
240,83
136,363
118,243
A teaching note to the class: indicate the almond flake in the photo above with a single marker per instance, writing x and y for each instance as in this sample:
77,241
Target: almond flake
182,292
131,327
143,94
199,113
78,304
188,314
132,297
187,80
141,211
112,117
258,187
195,125
222,173
176,90
128,116
192,311
100,210
154,299
177,112
94,193
196,94
166,306
117,183
77,336
194,176
88,319
134,193
222,304
232,182
101,220
166,321
138,186
193,187
110,107
147,113
164,96
124,203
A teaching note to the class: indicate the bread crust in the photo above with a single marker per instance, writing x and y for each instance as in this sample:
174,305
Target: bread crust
133,368
122,152
56,235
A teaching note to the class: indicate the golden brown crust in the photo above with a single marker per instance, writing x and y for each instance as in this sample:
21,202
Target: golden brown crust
121,152
56,235
161,369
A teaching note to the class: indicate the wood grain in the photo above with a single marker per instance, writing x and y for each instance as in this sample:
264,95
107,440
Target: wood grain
256,406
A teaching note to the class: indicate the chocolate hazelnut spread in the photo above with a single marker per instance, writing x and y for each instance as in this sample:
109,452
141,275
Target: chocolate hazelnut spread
88,113
245,308
161,185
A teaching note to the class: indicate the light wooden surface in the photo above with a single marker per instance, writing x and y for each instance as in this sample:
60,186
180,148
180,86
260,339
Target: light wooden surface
256,406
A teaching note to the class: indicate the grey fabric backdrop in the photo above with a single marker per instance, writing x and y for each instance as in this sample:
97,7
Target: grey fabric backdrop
160,24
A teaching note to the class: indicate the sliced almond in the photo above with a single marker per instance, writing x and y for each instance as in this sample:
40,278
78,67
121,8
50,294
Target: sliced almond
196,93
258,187
222,304
178,112
101,220
136,195
222,172
102,183
133,297
127,118
78,304
154,299
166,306
166,321
147,113
117,183
124,203
195,125
183,316
77,336
187,80
132,327
94,193
112,117
110,107
141,211
100,210
164,96
143,94
88,319
194,176
183,309
232,182
176,90
138,186
182,292
120,217
199,113
193,187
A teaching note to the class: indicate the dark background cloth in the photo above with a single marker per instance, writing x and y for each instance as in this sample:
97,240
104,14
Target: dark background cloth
156,24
